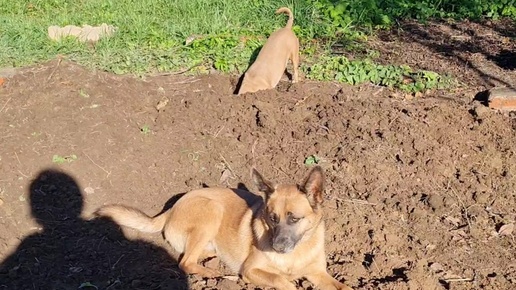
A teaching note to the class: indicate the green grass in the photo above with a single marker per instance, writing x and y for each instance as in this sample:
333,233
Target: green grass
151,34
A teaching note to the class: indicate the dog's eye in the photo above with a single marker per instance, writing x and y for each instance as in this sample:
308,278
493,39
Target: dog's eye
294,220
274,218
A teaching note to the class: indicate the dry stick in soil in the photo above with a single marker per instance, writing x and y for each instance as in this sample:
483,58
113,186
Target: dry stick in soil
359,201
5,104
466,213
460,279
55,68
107,172
176,73
228,166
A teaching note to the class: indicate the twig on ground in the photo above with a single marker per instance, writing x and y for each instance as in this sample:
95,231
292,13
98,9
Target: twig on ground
107,172
253,152
55,68
17,157
113,267
357,201
189,81
466,213
228,166
459,280
5,104
177,72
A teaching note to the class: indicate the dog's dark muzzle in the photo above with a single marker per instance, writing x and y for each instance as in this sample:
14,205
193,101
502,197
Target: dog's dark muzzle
284,240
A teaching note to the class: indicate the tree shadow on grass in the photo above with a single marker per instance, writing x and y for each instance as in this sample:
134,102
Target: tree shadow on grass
70,252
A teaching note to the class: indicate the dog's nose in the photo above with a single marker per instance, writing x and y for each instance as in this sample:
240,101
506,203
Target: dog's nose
282,245
279,248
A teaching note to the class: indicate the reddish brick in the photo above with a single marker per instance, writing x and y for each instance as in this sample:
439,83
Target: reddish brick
502,99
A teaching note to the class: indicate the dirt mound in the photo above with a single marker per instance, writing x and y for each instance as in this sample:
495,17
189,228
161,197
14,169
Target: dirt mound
417,189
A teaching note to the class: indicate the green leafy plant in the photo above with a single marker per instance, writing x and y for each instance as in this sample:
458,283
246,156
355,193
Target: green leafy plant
145,129
62,159
360,71
311,160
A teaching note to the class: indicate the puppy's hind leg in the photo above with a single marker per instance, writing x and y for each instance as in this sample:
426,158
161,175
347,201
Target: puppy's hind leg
197,245
294,56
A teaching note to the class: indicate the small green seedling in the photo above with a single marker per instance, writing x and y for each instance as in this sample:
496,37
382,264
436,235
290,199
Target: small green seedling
145,129
311,160
62,159
83,93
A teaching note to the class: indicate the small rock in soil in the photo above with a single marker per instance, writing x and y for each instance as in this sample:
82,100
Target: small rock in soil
227,284
211,282
436,202
481,197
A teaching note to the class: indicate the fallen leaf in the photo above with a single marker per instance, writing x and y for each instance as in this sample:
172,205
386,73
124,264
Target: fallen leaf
226,176
506,230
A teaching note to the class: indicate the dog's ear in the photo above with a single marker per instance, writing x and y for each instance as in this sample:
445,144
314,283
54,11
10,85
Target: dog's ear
263,185
313,186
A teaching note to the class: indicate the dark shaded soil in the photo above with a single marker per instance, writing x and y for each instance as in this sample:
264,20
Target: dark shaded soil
418,189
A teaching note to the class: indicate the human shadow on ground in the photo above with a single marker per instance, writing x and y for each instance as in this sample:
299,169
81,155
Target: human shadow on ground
70,252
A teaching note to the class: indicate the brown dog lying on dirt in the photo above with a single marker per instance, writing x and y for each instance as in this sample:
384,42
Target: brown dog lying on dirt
269,242
269,66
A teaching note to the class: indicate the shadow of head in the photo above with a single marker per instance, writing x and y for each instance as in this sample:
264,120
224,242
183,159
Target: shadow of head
55,196
482,97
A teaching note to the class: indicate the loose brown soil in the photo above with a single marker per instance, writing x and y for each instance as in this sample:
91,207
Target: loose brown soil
420,191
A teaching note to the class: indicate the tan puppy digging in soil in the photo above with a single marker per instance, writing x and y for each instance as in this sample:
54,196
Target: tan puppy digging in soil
269,66
269,241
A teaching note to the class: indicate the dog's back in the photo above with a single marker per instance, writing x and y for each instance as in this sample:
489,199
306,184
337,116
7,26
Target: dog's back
269,66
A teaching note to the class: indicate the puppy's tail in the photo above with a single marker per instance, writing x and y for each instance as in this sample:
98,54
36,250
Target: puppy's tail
290,21
133,218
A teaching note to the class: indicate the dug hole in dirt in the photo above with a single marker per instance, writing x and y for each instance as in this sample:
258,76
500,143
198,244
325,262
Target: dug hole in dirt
419,192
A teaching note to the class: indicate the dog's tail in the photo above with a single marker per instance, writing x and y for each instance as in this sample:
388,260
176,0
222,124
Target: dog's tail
133,218
290,21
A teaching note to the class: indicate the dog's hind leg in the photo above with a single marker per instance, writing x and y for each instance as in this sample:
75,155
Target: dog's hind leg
198,242
294,56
